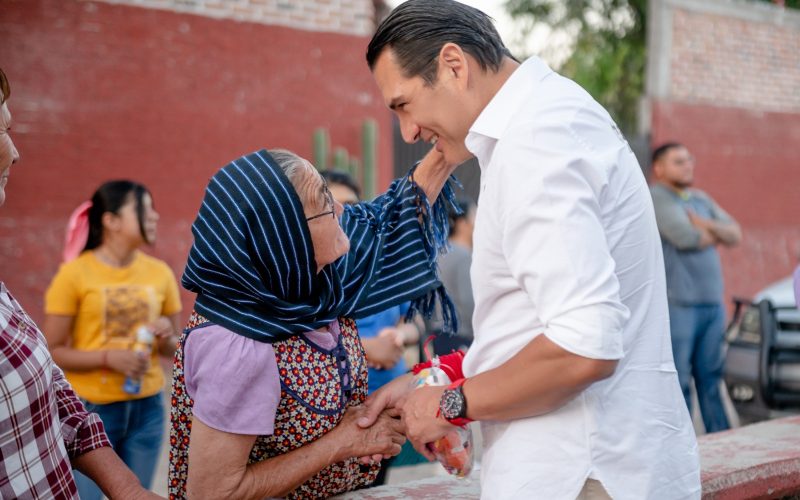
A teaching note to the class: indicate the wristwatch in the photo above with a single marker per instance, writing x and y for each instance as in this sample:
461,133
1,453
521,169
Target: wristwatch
453,405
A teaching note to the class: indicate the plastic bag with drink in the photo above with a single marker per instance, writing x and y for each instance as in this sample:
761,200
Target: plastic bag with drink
454,450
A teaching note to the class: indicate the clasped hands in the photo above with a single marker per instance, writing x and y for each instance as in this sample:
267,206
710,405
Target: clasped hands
415,409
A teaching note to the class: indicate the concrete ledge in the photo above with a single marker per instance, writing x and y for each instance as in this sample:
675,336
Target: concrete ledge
756,461
753,462
435,488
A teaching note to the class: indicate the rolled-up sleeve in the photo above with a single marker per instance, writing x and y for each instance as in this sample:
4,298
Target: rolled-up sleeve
83,431
555,244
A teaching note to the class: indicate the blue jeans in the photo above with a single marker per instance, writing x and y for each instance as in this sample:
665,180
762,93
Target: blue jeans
697,337
135,429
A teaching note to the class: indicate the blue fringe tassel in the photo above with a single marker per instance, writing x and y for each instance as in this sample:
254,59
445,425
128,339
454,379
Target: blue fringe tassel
436,229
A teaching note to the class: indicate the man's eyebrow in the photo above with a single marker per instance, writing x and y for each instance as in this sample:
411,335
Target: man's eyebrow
395,102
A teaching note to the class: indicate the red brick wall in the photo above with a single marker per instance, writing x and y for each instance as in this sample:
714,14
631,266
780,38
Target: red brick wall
355,17
105,91
748,162
723,79
732,61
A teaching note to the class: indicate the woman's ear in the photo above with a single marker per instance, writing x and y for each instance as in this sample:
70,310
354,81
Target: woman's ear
110,221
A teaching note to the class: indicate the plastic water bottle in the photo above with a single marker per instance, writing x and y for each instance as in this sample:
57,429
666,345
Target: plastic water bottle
143,345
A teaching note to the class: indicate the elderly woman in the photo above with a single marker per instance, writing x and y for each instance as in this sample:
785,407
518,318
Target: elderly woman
270,373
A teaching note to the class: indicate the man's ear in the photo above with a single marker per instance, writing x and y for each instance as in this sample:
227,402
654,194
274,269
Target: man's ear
657,170
453,63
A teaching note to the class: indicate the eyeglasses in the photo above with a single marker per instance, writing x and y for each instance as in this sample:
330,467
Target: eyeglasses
328,202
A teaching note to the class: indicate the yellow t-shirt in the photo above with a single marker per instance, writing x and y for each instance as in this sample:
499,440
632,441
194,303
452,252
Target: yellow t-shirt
109,304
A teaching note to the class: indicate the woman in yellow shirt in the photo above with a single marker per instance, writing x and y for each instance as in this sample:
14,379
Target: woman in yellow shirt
95,306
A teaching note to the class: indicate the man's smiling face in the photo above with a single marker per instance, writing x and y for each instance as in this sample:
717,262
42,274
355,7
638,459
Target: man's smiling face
435,113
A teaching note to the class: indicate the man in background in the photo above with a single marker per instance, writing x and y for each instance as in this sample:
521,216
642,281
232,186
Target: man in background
691,225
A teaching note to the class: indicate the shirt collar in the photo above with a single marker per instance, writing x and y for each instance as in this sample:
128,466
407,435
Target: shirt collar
495,117
685,194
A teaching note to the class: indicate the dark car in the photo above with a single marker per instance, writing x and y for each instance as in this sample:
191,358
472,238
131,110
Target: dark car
762,364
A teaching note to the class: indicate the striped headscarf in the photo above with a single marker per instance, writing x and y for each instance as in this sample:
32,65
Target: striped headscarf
252,262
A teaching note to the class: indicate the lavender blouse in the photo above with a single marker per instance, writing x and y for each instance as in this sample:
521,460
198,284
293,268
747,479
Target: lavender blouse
234,381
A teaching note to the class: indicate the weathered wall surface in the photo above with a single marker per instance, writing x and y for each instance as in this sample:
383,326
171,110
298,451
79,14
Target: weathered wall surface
103,91
723,78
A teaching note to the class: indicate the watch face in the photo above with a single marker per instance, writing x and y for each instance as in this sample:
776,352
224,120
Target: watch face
452,404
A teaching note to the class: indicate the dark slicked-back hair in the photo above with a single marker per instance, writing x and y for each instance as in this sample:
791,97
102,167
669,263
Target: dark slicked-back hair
416,31
663,149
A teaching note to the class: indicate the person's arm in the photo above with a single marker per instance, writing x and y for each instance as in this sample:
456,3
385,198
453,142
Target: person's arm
394,241
168,325
218,465
58,331
110,473
675,224
432,173
725,233
541,378
721,226
729,234
165,330
88,446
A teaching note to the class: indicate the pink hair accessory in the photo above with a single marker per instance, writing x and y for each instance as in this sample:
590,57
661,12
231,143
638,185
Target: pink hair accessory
77,231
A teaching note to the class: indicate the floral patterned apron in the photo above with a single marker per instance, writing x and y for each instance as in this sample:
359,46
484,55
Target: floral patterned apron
317,386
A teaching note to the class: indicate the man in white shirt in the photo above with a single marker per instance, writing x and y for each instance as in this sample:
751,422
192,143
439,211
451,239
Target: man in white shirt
571,371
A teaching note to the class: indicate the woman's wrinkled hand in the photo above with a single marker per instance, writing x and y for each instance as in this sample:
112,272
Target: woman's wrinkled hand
385,437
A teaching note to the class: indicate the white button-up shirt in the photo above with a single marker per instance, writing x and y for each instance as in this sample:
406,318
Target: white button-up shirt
566,246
